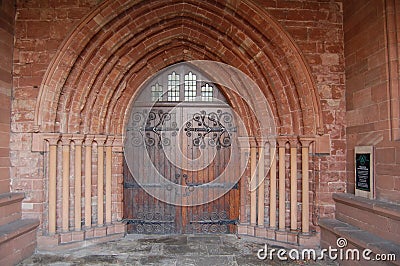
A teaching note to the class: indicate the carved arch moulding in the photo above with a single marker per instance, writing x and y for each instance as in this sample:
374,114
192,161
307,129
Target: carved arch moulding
92,80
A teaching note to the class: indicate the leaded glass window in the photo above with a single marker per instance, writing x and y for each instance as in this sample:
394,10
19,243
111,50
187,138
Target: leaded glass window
156,92
207,93
182,85
190,87
173,87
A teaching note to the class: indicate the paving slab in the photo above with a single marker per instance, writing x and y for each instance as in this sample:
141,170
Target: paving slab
174,250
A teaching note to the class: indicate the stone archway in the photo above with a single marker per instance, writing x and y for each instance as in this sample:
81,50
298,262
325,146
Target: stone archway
87,89
118,43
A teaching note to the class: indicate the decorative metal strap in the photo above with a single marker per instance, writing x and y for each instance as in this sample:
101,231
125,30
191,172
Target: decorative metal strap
155,123
217,127
220,222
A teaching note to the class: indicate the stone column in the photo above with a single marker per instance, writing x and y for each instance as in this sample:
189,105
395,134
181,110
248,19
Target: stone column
244,158
78,140
253,182
52,187
272,193
261,181
66,145
100,178
88,180
282,175
305,221
293,182
109,144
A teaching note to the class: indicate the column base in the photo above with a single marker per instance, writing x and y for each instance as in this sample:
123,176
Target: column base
292,237
85,237
308,240
260,232
281,236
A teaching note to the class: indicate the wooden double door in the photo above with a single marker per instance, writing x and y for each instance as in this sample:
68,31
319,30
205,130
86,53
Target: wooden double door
180,174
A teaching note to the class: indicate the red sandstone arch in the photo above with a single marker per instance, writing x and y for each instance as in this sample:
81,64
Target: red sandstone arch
99,67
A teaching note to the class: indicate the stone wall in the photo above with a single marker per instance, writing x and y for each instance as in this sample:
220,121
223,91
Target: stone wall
7,13
316,27
41,27
372,90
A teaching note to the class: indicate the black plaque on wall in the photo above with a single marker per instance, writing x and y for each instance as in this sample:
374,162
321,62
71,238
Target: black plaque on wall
363,171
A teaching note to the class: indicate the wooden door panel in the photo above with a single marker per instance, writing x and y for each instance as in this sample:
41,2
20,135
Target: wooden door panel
205,154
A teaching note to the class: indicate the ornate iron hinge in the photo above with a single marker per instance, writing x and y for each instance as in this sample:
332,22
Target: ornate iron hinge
216,127
141,130
139,221
219,222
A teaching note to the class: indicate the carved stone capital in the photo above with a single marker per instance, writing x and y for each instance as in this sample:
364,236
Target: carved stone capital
78,139
100,139
253,142
306,140
282,140
66,139
52,138
88,140
109,141
262,141
293,141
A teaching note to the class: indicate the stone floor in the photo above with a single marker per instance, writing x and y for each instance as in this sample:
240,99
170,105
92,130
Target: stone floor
206,250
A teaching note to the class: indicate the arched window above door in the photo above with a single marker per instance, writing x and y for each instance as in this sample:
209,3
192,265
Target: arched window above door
207,92
173,87
190,87
181,84
156,92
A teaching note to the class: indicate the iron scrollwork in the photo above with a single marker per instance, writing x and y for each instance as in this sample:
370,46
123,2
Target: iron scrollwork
154,223
215,127
152,131
212,222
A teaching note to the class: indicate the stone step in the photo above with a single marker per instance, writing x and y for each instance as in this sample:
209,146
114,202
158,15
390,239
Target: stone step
17,241
332,229
10,207
379,218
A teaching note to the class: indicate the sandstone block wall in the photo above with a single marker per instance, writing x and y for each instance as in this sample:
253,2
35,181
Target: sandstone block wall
41,26
7,12
372,90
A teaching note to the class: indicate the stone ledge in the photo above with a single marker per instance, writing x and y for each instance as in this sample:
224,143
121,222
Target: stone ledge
20,246
376,217
359,238
17,228
11,197
386,209
10,207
